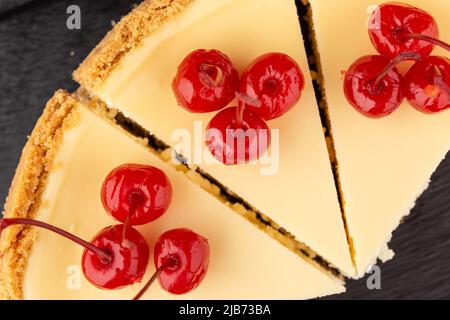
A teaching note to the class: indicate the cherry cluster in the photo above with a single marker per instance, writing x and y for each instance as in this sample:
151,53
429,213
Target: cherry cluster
118,255
207,81
400,32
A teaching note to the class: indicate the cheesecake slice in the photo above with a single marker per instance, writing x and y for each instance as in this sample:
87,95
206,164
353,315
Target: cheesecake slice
383,164
64,163
132,71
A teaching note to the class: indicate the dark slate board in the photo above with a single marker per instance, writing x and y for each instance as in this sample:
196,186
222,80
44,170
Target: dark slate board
6,5
37,55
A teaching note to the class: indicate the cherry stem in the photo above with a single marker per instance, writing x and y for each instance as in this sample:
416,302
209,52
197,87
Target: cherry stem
439,81
401,57
102,254
244,99
126,225
429,39
135,199
170,263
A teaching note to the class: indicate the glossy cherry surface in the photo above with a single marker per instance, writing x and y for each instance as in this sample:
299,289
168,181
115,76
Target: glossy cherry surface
365,95
391,25
206,81
236,142
113,259
140,193
129,258
183,258
427,84
276,81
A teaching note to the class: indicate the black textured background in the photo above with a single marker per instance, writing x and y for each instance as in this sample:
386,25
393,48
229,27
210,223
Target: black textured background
37,56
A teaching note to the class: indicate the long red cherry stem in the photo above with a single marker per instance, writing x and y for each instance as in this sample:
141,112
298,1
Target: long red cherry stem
170,263
7,222
429,39
244,99
401,57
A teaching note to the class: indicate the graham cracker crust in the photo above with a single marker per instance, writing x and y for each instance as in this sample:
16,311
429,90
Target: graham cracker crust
26,190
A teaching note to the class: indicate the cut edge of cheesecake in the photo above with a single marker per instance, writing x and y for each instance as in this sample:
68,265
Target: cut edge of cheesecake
126,35
315,68
26,189
208,183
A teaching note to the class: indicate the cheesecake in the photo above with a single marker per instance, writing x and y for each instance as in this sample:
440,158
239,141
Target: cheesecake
320,205
132,70
64,163
383,164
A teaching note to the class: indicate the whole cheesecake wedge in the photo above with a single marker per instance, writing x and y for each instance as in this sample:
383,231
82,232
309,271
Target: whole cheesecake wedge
58,181
132,70
383,164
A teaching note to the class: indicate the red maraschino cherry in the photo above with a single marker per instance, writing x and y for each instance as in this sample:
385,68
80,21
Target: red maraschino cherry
109,261
181,259
373,85
427,84
129,258
206,81
237,136
395,28
276,81
136,194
